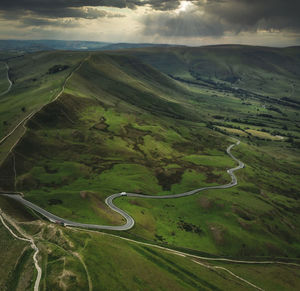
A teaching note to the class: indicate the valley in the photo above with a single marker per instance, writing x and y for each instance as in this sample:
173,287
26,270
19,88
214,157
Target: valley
154,121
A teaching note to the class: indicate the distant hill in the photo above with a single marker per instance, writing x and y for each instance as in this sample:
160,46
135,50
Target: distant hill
118,46
42,45
260,70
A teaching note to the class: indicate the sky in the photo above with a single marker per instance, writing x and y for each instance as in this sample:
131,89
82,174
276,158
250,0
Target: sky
188,22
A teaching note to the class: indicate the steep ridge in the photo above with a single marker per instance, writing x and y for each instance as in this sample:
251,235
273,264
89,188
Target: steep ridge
36,79
113,78
260,70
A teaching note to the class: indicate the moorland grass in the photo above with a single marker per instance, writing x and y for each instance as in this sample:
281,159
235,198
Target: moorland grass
121,126
105,150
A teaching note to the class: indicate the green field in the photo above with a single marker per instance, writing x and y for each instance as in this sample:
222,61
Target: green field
158,122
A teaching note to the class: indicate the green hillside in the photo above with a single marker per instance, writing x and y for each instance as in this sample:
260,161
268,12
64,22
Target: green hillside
36,81
260,70
3,80
158,121
76,260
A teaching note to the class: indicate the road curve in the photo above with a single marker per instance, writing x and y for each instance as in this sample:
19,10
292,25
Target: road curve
9,81
109,201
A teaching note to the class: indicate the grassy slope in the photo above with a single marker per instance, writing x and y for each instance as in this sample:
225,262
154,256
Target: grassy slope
104,140
101,145
110,135
3,78
260,85
17,269
259,217
255,69
16,265
32,85
73,259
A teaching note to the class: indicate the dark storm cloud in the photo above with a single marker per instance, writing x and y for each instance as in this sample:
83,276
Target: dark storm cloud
52,13
182,25
86,13
40,12
216,17
58,7
47,22
246,15
163,5
203,18
37,5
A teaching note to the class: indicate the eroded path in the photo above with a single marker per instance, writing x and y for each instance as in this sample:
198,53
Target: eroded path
29,239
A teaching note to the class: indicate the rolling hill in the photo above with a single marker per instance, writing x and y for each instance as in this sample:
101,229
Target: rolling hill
259,70
67,45
157,121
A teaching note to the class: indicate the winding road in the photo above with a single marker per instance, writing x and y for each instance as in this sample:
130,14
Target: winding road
109,201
